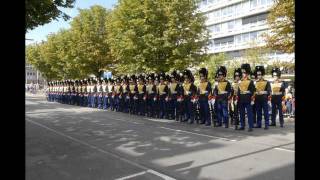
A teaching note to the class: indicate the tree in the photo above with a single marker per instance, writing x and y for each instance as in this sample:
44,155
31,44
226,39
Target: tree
91,52
44,11
282,24
155,35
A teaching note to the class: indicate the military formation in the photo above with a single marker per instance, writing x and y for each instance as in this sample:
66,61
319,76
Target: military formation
176,96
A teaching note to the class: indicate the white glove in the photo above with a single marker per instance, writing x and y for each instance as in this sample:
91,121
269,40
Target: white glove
252,102
269,103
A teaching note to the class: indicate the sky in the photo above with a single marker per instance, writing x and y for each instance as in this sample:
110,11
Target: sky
38,34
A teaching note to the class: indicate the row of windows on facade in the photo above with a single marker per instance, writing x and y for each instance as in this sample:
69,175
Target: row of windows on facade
238,24
31,74
237,9
241,53
239,39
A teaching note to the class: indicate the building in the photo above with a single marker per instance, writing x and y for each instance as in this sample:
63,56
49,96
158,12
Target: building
236,25
33,75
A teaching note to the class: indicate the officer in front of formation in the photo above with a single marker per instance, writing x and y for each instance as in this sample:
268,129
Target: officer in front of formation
204,91
222,93
263,91
245,96
277,97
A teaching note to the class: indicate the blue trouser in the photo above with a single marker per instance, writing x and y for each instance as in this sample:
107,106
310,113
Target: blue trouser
180,107
93,100
116,103
277,107
105,102
131,105
121,103
204,111
126,102
262,105
172,107
245,106
222,112
189,113
162,105
80,100
89,100
111,102
254,113
141,105
100,102
150,105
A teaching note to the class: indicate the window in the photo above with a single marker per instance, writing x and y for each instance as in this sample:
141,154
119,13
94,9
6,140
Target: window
263,2
245,37
217,28
224,11
238,9
253,36
230,25
238,39
253,4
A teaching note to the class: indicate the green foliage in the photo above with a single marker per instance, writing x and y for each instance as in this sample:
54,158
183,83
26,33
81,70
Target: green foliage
44,11
156,35
282,24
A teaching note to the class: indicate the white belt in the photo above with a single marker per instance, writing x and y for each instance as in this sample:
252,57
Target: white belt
277,93
141,92
245,92
174,92
163,93
262,92
222,92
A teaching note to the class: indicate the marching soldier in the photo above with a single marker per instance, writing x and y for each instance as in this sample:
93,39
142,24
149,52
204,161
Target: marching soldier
189,92
245,96
133,94
72,93
204,91
141,96
85,92
277,98
163,92
94,92
234,108
263,90
80,93
222,92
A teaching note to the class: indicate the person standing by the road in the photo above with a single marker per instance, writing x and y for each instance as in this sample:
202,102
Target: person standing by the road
245,93
263,91
277,98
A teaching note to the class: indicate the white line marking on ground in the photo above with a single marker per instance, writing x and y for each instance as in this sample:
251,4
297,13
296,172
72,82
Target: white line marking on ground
160,175
178,130
132,175
281,149
101,150
161,120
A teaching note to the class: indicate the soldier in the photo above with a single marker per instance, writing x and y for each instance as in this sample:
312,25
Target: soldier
105,93
89,84
141,95
48,92
254,111
110,93
162,92
204,91
277,98
234,108
189,92
85,93
180,101
222,92
151,94
72,93
133,94
125,94
156,104
173,92
69,91
245,96
117,94
100,93
80,92
263,91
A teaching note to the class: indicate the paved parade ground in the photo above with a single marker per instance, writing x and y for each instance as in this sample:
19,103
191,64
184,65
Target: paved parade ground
65,142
